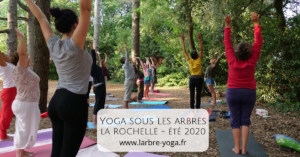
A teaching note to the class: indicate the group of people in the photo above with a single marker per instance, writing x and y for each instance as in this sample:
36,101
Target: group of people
134,75
68,108
241,84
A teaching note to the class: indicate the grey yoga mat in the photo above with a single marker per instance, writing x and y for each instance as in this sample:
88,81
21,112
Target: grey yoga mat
225,144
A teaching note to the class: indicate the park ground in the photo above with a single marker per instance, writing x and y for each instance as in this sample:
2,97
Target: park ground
263,129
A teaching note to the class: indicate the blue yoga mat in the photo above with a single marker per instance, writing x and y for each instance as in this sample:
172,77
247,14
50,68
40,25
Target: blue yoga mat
154,107
90,125
149,103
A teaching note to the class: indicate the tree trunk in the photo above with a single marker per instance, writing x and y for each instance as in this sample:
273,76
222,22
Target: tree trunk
97,17
30,35
41,55
135,50
190,29
12,24
278,4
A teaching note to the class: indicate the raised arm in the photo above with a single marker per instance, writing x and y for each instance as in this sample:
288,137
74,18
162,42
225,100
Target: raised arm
43,21
217,60
258,40
201,46
105,61
2,61
22,49
227,40
84,22
147,61
141,62
152,62
184,49
127,55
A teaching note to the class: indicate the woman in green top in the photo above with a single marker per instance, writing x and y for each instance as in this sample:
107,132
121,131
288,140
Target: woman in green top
196,78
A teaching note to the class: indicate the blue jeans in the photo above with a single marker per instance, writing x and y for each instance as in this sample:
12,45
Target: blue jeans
210,81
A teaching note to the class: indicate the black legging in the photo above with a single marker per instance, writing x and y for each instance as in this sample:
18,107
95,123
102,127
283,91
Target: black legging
100,95
195,82
68,113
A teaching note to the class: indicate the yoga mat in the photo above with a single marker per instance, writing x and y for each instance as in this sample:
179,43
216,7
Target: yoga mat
90,125
93,151
154,98
45,150
111,98
208,104
160,94
114,105
143,154
149,103
92,94
212,115
109,105
154,107
40,137
226,143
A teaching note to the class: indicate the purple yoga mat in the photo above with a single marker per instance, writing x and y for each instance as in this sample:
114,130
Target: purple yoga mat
143,154
40,137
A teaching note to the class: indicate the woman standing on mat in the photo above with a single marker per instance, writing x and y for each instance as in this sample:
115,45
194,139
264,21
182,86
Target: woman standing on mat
8,95
196,78
26,104
68,108
154,77
147,74
241,85
99,84
209,78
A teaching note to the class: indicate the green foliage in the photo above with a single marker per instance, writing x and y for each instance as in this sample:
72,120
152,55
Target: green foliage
276,72
52,72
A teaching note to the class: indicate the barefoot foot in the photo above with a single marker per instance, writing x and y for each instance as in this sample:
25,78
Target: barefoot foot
236,152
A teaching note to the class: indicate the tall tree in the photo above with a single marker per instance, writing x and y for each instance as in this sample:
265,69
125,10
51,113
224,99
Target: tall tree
12,24
30,29
97,19
135,50
41,55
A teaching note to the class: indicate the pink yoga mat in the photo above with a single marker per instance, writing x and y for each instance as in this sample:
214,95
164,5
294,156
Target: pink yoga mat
45,150
143,154
160,94
159,99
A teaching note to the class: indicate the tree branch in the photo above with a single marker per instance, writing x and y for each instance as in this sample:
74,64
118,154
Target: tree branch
264,12
3,18
19,18
245,7
23,6
4,31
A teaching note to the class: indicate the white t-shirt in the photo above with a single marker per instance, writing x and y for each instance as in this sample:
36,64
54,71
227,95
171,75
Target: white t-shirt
7,75
91,78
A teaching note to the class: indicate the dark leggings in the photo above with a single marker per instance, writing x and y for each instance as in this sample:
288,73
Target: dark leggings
241,103
68,113
195,82
140,90
100,95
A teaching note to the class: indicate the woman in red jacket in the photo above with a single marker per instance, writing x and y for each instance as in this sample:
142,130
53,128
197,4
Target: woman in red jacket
241,85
